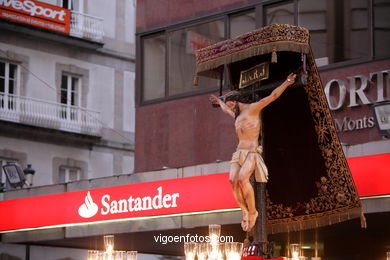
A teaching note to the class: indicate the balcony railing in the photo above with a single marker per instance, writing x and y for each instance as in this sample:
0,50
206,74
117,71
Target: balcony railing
86,26
52,115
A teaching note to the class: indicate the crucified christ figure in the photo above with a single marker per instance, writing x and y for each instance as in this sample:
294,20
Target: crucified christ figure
247,157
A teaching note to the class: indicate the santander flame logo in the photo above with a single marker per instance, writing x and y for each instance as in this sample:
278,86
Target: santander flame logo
89,208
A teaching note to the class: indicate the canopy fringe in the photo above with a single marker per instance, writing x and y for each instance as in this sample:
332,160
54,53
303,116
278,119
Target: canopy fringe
248,53
291,225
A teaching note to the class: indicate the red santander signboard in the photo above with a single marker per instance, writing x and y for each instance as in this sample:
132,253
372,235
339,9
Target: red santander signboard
191,195
37,14
175,196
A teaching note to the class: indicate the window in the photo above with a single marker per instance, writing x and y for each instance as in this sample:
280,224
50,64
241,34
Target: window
356,37
66,4
70,96
339,30
76,5
182,46
242,23
382,27
313,16
168,58
8,85
153,76
69,174
68,169
279,13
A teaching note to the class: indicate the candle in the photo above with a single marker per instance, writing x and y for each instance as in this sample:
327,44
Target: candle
294,251
190,256
190,250
109,243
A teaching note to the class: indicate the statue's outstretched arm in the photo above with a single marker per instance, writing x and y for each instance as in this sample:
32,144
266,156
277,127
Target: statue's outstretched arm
225,109
275,94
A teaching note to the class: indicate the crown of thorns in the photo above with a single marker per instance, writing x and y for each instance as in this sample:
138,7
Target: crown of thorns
235,95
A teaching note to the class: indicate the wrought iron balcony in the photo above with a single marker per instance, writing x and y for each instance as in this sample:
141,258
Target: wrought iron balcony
86,26
52,115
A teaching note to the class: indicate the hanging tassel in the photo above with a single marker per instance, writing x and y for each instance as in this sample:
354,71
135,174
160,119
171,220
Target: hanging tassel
274,58
363,222
195,80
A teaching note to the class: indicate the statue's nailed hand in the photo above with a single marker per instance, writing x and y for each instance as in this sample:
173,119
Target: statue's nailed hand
291,78
214,100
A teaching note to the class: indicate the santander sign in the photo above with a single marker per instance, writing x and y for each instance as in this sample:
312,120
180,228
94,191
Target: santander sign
89,208
123,202
111,206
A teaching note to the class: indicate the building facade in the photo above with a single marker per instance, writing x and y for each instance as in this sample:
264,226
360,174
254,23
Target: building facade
180,138
349,40
67,98
349,43
67,70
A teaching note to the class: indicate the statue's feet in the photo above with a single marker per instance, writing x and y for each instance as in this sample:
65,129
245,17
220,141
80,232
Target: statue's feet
244,222
252,220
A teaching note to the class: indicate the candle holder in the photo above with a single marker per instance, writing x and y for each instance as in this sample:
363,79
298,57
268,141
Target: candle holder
203,250
215,251
119,255
233,250
221,251
190,249
109,243
131,255
294,249
214,233
109,253
93,254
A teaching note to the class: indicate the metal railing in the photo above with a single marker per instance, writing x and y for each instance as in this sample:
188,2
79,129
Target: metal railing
86,26
52,115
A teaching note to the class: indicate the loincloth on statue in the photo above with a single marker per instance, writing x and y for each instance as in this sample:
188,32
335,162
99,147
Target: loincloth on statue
261,171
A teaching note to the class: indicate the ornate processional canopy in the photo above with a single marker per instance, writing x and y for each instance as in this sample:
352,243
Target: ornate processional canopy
310,184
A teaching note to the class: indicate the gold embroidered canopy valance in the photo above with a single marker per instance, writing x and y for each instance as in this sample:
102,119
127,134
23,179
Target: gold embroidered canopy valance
273,38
